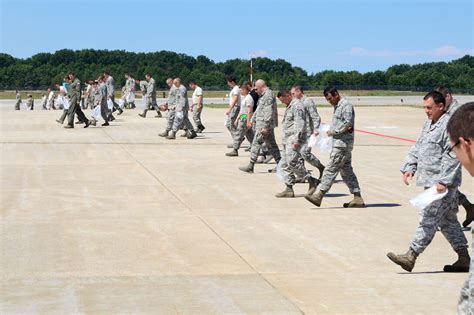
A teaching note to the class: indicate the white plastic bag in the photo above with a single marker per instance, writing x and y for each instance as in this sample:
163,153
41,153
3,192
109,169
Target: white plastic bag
110,104
64,101
323,142
96,113
121,103
130,97
279,172
424,199
313,141
179,114
144,105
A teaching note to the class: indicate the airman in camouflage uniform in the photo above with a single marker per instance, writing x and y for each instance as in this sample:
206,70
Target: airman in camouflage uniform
74,94
294,137
150,97
265,122
170,105
181,116
129,90
30,102
452,106
430,160
110,82
313,120
18,100
342,132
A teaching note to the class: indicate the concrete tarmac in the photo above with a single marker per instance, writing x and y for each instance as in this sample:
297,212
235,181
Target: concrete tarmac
118,220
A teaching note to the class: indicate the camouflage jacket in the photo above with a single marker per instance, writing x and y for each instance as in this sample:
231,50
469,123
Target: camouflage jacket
313,120
429,158
110,83
266,115
172,97
75,89
343,124
182,103
151,89
295,123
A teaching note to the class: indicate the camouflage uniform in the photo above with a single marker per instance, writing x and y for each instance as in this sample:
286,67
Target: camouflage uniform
265,118
313,120
340,160
428,158
171,106
100,98
110,83
74,94
18,101
30,103
151,95
466,300
182,107
129,89
242,132
234,113
294,132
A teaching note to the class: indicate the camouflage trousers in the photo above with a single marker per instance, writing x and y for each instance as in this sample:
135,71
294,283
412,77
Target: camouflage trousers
171,116
242,132
340,161
259,139
17,105
310,157
292,165
181,120
229,123
466,299
443,214
197,116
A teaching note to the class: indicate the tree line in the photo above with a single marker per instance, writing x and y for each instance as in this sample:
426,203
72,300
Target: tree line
44,70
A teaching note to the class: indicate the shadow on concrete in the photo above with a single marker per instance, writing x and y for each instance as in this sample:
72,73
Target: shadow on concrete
421,272
382,205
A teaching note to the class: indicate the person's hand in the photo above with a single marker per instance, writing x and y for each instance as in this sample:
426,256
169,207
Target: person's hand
249,124
316,133
227,112
329,133
296,146
406,177
264,131
440,188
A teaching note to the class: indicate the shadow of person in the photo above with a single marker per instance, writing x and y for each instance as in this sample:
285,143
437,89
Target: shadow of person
382,205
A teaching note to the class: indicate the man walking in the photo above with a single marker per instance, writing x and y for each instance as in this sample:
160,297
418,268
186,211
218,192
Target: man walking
264,126
170,105
110,83
342,132
150,97
74,95
429,159
196,107
181,116
294,137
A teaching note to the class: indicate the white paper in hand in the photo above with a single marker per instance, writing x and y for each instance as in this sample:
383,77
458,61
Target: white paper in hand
279,172
313,141
121,103
110,104
323,142
96,113
144,105
424,199
179,114
66,103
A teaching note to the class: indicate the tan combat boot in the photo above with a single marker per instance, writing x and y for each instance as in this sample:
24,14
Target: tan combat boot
164,133
460,265
248,168
232,153
315,199
406,261
357,202
287,193
171,136
313,184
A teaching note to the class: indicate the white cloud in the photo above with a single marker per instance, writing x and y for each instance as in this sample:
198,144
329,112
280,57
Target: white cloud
258,53
387,53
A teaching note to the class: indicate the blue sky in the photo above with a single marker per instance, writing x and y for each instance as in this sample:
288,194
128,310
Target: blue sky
363,35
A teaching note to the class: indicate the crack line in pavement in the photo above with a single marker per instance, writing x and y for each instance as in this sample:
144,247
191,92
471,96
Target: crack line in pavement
206,224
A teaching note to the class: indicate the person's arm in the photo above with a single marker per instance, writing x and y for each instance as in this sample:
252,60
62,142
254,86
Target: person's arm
249,113
300,126
267,112
347,123
234,100
314,115
450,168
410,164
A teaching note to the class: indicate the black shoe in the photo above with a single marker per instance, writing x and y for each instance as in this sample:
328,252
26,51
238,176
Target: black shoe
192,134
68,127
120,112
105,124
58,121
79,122
87,124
